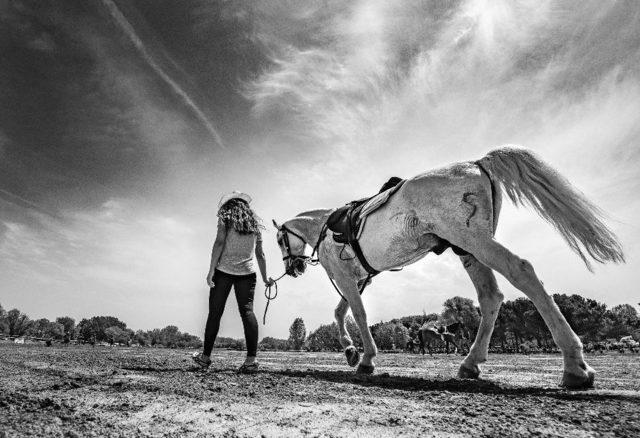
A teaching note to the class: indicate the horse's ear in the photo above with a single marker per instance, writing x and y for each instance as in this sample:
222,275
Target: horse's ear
275,224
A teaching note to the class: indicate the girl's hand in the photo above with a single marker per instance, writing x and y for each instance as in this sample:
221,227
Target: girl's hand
269,282
210,279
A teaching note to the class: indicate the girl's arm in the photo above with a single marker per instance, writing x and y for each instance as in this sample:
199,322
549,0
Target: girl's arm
262,261
216,252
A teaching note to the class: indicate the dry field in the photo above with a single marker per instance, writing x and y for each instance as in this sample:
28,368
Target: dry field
101,391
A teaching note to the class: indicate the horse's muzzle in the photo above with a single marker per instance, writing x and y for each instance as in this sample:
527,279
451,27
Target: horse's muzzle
296,267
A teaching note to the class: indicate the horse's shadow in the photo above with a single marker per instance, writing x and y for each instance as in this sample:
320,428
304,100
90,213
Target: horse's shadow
468,386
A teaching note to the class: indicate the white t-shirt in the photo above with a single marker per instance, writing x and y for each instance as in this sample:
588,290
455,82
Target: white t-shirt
237,255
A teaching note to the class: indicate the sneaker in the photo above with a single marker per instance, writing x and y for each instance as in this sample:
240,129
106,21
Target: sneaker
200,360
248,368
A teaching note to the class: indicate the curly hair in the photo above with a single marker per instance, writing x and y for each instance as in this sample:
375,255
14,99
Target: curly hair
236,214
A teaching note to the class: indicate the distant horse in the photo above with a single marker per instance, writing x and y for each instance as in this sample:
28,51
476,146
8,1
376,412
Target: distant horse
455,334
450,334
458,206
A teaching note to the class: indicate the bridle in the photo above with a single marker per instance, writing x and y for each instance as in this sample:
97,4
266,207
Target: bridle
287,246
271,292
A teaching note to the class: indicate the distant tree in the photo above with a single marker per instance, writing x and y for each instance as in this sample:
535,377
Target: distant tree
189,341
116,335
520,307
155,337
400,336
45,329
4,326
230,343
17,322
85,330
170,336
95,328
536,327
384,335
324,338
463,310
584,315
240,344
623,320
270,343
142,338
297,334
69,325
510,323
500,330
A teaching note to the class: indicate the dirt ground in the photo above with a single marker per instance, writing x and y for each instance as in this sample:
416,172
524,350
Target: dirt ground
83,391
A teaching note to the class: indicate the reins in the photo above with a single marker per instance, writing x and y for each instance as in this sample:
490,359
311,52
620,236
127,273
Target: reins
269,296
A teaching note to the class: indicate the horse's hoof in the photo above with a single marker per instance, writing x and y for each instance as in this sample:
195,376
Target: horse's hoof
365,369
576,381
353,357
465,372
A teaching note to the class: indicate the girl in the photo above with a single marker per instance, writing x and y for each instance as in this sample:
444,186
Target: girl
238,237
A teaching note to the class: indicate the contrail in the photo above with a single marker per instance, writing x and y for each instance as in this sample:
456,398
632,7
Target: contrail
130,32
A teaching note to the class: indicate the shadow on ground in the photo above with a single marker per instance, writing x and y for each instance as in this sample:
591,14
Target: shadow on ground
470,386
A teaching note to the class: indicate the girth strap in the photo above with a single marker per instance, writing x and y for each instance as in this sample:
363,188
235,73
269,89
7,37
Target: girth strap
356,248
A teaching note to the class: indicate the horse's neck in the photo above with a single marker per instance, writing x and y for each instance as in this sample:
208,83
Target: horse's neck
309,224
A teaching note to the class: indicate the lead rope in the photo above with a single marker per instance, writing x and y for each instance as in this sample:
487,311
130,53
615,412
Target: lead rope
270,293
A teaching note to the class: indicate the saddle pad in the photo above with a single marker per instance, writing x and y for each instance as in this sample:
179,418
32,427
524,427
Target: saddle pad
373,204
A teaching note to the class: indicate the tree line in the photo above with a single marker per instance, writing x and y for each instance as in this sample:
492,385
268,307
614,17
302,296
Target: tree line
518,325
97,329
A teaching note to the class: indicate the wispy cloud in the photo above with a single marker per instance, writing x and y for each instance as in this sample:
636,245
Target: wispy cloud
401,73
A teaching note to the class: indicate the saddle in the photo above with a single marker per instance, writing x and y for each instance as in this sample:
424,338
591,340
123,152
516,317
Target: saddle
347,222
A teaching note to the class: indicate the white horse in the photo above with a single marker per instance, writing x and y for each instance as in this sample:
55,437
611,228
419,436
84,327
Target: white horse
459,205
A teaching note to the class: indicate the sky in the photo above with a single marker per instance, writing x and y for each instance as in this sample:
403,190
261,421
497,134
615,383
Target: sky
123,123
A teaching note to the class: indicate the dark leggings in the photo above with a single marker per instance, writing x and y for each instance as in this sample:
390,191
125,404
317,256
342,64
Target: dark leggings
244,286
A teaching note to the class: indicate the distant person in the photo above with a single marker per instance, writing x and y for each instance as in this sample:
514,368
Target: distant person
238,237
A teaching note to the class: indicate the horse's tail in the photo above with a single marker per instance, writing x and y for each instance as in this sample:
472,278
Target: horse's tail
530,181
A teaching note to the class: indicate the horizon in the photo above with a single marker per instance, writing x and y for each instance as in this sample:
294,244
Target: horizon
123,123
308,329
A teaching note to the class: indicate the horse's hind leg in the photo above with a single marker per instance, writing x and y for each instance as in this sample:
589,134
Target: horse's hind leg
490,299
577,374
353,357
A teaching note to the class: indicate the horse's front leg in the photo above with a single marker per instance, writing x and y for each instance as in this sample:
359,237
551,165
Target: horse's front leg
351,352
350,289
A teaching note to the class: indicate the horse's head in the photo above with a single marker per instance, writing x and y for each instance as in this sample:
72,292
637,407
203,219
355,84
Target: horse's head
292,246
